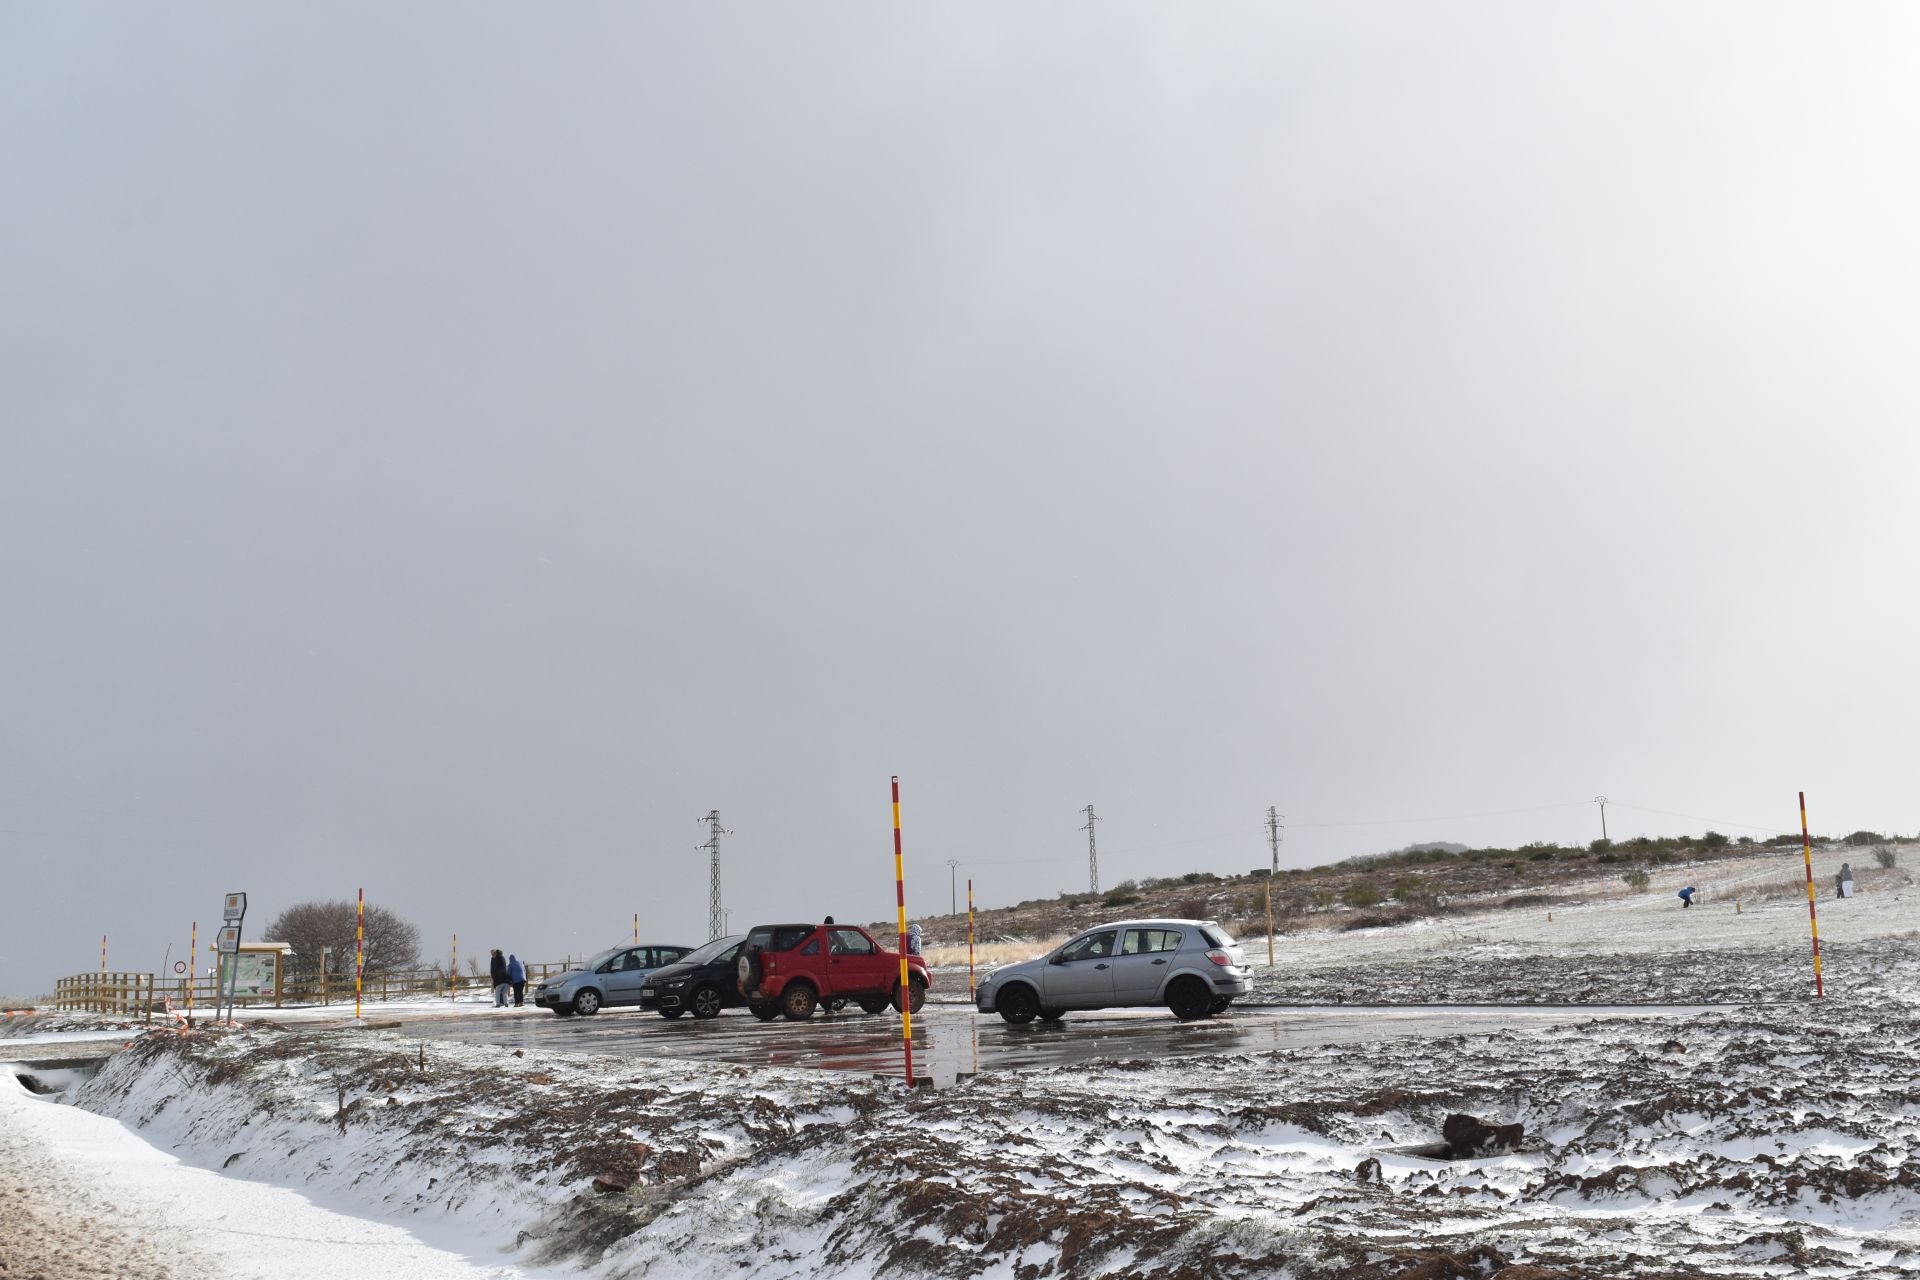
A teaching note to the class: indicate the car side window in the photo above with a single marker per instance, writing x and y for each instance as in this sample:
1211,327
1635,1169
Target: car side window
851,942
811,949
1092,947
789,938
1150,941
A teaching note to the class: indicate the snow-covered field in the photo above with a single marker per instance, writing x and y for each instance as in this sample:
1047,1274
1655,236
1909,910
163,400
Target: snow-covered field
1777,1139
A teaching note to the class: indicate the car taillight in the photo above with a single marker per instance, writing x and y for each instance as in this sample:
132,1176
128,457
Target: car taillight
1220,957
767,965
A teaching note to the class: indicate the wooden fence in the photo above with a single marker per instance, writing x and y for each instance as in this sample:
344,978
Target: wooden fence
141,995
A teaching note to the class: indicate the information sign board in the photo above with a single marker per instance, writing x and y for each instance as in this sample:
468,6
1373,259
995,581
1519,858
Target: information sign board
236,908
230,939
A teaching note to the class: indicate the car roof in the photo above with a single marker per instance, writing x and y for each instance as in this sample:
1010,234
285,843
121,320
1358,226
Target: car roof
816,925
1161,922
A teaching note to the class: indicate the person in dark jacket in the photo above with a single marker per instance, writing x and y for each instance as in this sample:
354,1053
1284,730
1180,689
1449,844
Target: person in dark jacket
517,975
497,970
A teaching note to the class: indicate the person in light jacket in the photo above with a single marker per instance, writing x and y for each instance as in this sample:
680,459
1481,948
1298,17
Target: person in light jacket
517,975
913,938
497,970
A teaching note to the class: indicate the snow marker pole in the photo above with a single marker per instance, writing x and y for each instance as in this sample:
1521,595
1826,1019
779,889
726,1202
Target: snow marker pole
193,966
970,986
103,974
900,897
359,949
453,974
636,928
1269,884
1813,917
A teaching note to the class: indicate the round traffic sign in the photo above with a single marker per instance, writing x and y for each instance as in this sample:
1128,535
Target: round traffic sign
179,966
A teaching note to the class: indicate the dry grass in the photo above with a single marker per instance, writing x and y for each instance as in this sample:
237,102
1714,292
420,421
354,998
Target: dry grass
985,954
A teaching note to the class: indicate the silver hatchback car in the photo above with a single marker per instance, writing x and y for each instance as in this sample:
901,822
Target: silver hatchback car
1193,967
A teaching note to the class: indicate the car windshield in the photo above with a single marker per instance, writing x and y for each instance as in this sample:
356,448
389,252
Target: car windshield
712,951
602,958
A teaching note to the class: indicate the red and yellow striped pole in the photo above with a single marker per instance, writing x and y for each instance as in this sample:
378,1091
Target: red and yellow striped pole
453,974
193,967
359,949
900,897
636,928
970,990
1813,917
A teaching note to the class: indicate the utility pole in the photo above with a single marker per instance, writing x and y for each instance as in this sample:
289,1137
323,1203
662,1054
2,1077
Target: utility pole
716,918
953,900
1093,853
1602,802
1273,846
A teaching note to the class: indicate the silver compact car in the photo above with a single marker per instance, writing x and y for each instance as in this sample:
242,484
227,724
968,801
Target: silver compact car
1193,967
614,977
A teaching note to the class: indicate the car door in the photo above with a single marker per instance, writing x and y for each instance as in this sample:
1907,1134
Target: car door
624,975
1080,975
1145,957
854,964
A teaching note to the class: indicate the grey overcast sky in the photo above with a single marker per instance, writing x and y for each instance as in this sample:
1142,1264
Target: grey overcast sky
449,448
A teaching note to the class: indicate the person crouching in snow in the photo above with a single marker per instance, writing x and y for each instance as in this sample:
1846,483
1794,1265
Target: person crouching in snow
517,977
1686,896
497,970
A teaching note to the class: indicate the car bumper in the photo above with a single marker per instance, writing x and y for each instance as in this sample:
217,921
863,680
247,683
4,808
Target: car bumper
656,1000
983,999
1227,985
552,999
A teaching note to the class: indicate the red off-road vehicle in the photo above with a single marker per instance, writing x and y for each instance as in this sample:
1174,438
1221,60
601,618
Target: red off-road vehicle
796,968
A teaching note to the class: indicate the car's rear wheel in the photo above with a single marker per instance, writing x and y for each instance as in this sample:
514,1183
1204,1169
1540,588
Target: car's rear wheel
873,1004
798,1002
671,1013
1220,1005
1018,1005
587,1003
919,996
707,1002
765,1010
834,1004
1052,1015
1189,999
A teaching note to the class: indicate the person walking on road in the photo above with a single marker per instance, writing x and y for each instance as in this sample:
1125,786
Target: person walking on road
517,975
497,970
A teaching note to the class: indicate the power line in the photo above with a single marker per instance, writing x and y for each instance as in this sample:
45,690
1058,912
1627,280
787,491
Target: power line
1093,853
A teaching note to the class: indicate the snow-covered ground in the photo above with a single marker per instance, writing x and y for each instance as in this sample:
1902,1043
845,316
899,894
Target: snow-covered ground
1774,1139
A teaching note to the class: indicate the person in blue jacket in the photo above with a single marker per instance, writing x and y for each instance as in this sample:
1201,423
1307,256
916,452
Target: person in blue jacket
517,975
1686,896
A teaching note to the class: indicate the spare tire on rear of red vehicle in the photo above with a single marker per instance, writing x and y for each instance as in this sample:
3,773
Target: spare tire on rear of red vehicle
747,969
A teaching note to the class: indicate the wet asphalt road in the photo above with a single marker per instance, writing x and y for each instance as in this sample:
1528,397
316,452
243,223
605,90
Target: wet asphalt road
951,1040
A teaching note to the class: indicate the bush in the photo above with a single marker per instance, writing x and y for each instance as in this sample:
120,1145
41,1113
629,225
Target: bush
1411,889
1887,858
1323,898
1608,857
1714,840
1362,894
1862,838
1119,899
1600,846
1540,855
1636,878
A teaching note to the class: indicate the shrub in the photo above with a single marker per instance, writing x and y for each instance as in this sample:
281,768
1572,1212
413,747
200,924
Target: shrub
1323,898
1860,838
1119,899
1362,894
1636,878
1887,858
1410,889
1608,857
1600,846
1540,855
1714,840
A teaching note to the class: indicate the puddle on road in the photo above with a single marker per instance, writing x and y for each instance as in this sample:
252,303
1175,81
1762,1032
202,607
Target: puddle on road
952,1041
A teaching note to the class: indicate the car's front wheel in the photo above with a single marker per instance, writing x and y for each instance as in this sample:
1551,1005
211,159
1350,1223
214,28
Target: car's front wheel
587,1003
1189,999
1018,1005
707,1002
919,996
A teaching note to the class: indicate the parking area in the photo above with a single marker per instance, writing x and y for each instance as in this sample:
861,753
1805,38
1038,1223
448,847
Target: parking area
951,1040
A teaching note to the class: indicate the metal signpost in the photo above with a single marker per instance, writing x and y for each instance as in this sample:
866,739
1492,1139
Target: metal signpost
234,915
